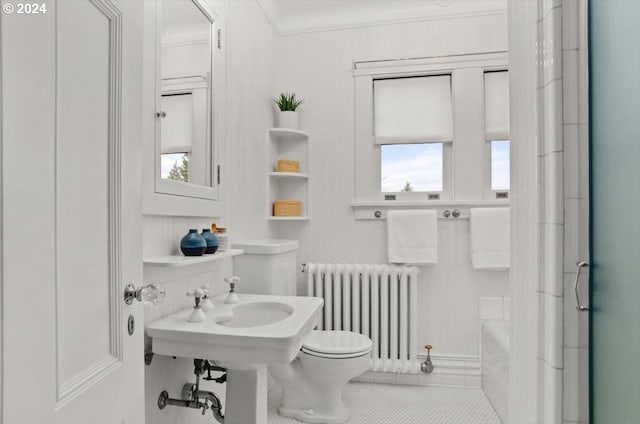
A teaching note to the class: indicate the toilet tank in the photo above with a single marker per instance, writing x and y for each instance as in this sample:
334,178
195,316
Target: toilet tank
267,267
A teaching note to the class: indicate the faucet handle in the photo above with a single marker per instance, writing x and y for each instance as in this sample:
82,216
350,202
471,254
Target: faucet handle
232,297
233,280
197,315
197,293
207,305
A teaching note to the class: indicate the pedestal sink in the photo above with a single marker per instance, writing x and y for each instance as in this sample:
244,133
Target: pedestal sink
256,314
245,337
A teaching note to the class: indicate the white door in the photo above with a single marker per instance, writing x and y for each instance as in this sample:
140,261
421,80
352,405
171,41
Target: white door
71,212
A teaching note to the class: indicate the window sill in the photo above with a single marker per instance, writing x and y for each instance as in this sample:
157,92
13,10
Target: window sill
369,210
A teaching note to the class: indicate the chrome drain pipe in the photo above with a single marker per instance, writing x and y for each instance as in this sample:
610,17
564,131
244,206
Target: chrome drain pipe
193,397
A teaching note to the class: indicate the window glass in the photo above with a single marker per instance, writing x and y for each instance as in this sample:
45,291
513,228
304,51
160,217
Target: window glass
500,179
411,167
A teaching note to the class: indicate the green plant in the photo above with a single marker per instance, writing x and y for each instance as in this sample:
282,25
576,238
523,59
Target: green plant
287,102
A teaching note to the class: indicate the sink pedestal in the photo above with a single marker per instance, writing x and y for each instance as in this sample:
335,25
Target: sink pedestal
246,398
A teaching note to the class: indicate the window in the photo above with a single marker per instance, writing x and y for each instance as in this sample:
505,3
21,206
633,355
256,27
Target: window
412,121
496,105
500,169
422,134
411,168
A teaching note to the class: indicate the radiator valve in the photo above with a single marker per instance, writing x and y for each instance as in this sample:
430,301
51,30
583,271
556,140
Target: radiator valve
427,366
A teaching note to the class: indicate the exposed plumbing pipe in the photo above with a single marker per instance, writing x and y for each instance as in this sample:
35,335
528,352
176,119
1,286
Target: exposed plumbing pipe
216,406
194,398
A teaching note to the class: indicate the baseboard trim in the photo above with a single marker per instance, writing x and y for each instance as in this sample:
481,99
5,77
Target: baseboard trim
449,371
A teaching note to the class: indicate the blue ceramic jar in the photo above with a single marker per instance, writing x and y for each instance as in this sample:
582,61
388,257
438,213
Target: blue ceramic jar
193,244
211,239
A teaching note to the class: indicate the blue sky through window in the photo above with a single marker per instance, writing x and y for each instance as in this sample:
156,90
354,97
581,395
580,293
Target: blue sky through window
418,164
500,179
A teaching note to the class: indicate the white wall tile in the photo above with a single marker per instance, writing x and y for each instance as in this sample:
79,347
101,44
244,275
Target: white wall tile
552,117
551,393
552,46
571,234
570,24
571,165
552,307
553,193
576,323
576,382
552,259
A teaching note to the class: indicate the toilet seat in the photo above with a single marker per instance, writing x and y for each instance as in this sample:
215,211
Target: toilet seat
336,344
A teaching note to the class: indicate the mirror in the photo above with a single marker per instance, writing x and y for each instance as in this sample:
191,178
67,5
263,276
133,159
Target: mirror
185,142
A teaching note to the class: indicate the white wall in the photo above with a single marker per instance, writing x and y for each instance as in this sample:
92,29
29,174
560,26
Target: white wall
318,67
251,71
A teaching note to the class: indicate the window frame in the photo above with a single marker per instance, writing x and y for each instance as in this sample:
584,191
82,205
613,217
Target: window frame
489,192
368,152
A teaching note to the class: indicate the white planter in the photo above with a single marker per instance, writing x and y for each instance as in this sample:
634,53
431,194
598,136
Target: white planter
288,119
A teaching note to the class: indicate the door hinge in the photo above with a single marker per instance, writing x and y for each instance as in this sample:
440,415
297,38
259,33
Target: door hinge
219,39
218,174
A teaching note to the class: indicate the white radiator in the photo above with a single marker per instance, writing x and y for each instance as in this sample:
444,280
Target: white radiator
379,301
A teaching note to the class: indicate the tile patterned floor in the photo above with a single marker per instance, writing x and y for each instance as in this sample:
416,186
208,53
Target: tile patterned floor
397,404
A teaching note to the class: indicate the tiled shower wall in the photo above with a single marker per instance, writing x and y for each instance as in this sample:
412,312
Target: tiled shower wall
576,208
564,233
551,223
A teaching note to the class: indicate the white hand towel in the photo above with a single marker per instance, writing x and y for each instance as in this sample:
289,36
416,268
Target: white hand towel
490,238
412,237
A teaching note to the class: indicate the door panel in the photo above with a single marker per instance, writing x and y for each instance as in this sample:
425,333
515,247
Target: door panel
84,145
72,103
615,202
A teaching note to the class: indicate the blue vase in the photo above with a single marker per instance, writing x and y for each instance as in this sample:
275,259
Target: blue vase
211,239
193,244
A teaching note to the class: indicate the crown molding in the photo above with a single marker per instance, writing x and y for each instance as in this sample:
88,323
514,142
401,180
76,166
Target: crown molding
331,18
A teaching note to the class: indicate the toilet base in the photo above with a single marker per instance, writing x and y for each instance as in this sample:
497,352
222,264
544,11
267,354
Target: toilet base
310,416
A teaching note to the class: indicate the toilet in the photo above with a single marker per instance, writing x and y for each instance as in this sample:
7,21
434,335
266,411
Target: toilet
312,384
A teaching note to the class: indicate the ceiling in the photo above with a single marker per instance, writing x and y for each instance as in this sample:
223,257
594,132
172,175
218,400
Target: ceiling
296,16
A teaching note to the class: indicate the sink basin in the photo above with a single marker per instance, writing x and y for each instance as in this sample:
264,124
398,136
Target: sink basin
260,329
255,314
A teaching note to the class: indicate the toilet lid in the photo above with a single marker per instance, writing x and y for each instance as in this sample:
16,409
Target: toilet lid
338,344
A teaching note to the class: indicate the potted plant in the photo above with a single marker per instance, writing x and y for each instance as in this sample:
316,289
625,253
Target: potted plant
288,103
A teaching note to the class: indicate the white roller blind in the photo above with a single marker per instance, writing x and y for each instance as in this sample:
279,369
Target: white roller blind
417,107
496,105
177,126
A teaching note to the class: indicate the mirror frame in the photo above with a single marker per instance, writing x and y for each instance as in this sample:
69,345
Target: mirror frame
176,198
179,188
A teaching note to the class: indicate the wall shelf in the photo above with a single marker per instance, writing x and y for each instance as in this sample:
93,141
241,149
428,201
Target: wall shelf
288,218
173,261
288,134
290,144
288,175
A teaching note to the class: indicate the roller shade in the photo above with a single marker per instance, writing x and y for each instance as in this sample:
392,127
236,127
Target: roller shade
177,126
416,107
496,105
